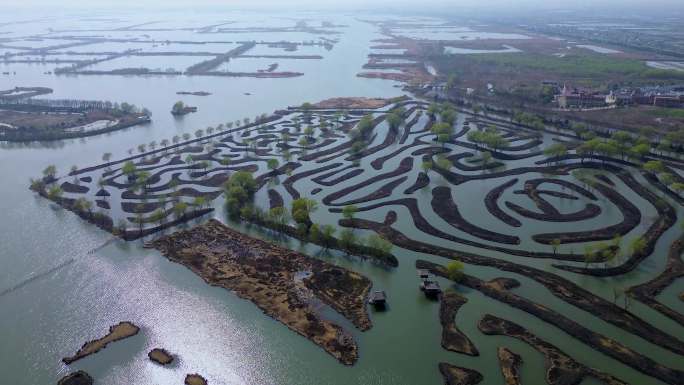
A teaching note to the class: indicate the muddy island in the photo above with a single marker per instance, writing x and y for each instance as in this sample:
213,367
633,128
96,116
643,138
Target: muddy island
510,365
25,120
195,379
180,109
117,332
453,338
195,93
560,368
160,356
76,378
284,284
454,375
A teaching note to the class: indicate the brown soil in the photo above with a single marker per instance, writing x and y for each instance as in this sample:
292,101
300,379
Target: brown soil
275,279
454,375
588,212
290,181
74,188
362,251
491,200
445,207
630,213
597,341
160,356
76,378
352,103
424,225
404,167
132,234
561,369
421,181
117,332
275,199
453,338
667,216
384,191
348,175
647,293
510,366
195,379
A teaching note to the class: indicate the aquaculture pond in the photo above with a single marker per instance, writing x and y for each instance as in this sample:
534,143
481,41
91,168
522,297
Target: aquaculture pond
64,281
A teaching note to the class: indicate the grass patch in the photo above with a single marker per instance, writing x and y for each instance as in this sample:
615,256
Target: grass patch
672,113
575,65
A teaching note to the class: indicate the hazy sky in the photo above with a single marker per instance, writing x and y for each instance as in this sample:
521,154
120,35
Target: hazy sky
318,4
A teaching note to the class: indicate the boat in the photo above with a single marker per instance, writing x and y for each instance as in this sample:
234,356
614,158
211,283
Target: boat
378,299
430,288
423,274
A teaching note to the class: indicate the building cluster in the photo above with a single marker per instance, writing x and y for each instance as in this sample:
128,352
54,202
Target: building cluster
661,96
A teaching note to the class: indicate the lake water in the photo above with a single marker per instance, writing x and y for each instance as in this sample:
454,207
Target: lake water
226,339
598,49
465,51
666,65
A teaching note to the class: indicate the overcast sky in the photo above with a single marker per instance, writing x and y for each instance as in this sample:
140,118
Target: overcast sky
359,4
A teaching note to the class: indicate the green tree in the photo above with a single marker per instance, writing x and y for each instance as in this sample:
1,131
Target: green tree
54,192
394,120
349,211
377,242
666,178
179,209
622,140
451,82
302,209
272,164
327,234
309,131
556,150
178,107
486,157
315,233
347,239
444,132
589,255
278,215
455,270
158,216
199,201
433,109
654,166
50,171
637,245
677,187
444,163
641,150
129,169
448,116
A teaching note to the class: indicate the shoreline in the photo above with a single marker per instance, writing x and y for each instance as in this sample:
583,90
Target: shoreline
280,282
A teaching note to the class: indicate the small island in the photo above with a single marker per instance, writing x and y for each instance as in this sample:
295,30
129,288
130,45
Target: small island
180,109
117,332
287,285
160,356
195,379
76,378
25,119
194,93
